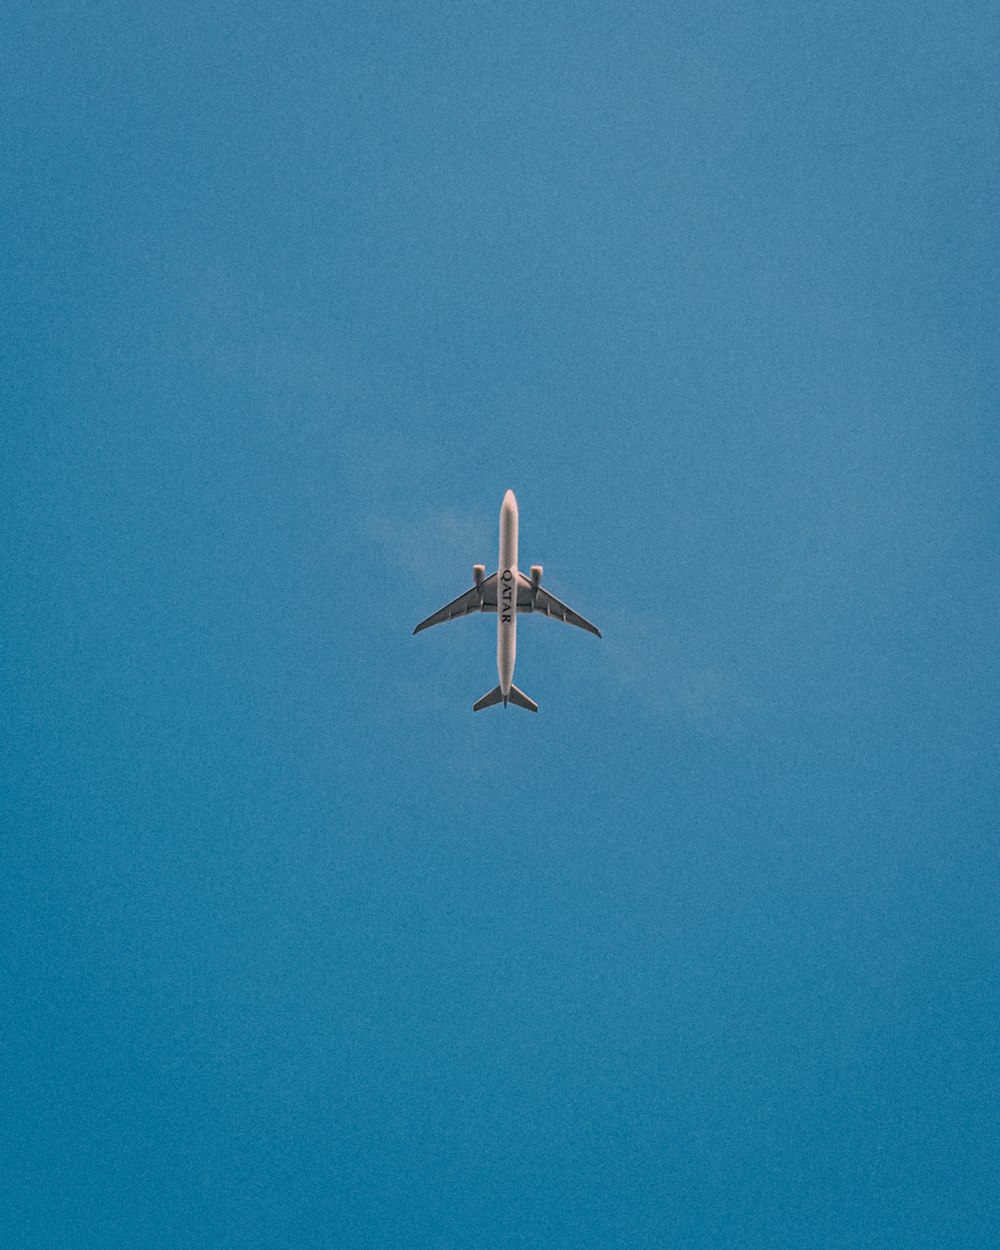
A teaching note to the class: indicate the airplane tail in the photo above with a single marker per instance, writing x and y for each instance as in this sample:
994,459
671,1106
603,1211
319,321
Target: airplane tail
520,699
517,697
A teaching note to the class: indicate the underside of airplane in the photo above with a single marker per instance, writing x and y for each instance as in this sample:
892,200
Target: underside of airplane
507,593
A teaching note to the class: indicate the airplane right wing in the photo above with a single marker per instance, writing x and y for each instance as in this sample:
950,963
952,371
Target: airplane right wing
540,600
482,598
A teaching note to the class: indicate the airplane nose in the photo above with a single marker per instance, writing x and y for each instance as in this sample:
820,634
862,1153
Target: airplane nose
509,501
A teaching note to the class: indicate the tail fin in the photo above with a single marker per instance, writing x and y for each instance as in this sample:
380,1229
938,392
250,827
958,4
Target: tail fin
517,697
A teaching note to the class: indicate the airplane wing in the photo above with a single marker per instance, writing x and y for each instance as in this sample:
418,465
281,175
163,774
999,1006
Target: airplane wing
542,601
464,604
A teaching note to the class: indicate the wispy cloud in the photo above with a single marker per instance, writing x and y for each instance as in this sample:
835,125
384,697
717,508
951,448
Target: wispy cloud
671,668
437,548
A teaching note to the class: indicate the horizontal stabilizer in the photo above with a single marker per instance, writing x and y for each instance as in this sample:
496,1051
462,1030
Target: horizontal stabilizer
517,697
488,700
520,699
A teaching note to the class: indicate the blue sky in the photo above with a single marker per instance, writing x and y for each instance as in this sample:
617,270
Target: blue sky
298,952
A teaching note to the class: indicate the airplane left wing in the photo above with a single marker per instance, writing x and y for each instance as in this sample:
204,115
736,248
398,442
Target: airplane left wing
540,600
481,598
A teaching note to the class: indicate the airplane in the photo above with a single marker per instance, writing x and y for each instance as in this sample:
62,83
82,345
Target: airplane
507,592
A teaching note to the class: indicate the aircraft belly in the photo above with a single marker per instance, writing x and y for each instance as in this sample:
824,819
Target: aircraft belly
506,647
507,594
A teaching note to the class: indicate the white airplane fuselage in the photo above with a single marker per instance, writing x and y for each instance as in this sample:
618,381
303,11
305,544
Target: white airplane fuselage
507,594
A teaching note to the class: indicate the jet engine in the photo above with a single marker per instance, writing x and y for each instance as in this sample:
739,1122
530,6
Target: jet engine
478,573
536,576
